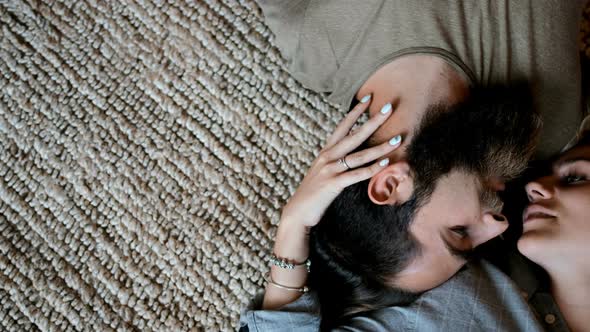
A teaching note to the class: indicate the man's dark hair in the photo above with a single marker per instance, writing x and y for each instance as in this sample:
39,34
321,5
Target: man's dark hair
346,285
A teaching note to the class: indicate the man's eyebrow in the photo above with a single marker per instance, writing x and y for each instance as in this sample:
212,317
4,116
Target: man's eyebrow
570,161
462,254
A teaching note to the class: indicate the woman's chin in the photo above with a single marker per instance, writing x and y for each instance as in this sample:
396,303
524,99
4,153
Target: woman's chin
533,245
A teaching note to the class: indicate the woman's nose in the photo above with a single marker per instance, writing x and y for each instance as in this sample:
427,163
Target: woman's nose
537,191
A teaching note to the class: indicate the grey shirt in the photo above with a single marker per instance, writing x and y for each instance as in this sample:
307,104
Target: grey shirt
333,46
479,298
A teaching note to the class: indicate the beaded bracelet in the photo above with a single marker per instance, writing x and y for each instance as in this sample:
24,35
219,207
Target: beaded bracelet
269,280
285,264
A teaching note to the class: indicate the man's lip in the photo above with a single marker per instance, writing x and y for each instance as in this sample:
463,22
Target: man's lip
536,212
497,184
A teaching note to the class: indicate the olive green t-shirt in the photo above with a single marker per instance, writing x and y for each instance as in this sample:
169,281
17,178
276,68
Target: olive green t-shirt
333,47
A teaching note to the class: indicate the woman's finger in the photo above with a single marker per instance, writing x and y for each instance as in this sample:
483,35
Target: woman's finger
351,142
366,156
360,174
348,122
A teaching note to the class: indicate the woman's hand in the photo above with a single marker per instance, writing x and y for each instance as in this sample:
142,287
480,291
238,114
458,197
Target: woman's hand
334,169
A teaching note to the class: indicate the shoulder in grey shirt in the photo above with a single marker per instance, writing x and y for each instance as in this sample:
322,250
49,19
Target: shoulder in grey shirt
479,298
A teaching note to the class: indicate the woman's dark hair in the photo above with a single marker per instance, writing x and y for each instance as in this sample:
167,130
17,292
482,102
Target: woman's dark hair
585,140
355,251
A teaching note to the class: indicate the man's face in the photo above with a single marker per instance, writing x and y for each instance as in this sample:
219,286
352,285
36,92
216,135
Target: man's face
460,159
456,219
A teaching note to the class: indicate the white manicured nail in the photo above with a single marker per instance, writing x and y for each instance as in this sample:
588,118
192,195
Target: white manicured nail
384,162
366,99
386,109
395,140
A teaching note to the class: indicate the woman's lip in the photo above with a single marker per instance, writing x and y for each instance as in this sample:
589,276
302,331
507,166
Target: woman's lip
537,212
534,216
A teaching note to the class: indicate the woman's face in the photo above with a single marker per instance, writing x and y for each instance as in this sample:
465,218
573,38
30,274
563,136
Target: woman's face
556,223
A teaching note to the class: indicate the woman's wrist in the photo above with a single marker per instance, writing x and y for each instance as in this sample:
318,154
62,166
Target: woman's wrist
292,241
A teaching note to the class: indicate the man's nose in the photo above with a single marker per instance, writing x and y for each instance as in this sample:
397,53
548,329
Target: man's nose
493,225
537,191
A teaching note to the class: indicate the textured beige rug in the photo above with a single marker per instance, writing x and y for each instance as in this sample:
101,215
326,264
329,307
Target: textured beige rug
146,150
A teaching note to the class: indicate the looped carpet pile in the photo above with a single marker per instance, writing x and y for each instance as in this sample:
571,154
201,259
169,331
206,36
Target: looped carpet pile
146,148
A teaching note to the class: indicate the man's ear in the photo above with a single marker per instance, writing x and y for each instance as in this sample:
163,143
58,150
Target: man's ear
393,185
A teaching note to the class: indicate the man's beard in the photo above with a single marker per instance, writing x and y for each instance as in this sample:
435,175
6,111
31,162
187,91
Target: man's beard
492,136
